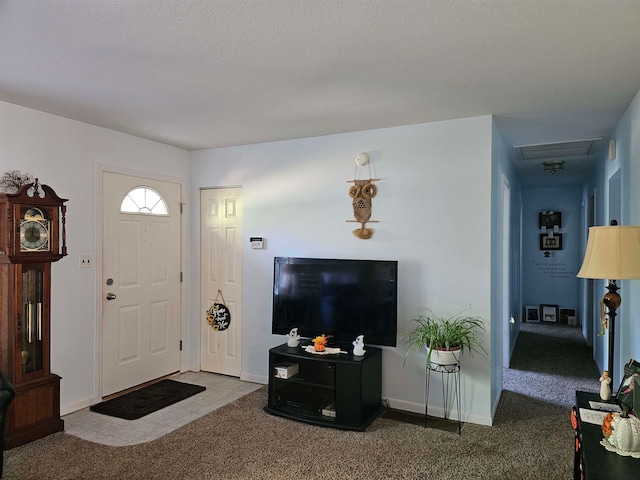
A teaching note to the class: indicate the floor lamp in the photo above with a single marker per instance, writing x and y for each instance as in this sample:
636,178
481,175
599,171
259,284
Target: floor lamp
613,253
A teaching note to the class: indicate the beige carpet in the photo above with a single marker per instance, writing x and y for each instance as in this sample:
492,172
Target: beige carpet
531,439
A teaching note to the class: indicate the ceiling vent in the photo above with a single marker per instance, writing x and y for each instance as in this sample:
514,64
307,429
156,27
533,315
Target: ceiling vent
579,148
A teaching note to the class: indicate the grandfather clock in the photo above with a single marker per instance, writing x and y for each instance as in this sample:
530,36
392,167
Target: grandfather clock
32,236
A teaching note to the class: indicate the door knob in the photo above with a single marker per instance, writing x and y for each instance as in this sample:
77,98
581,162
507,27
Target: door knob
111,296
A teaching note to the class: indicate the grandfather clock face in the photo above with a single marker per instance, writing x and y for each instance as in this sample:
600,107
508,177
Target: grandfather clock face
35,229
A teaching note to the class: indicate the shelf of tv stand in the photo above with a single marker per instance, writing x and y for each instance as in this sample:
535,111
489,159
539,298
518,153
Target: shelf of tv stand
352,384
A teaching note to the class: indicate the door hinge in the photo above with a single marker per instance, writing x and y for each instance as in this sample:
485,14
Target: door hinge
181,207
181,276
180,345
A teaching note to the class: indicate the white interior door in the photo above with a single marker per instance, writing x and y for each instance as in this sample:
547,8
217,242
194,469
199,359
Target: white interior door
221,270
141,280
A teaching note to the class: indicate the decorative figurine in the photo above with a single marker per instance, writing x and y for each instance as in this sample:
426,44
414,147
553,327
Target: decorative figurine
362,191
320,342
358,346
293,339
605,386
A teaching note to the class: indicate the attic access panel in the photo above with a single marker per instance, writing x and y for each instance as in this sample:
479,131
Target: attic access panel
579,148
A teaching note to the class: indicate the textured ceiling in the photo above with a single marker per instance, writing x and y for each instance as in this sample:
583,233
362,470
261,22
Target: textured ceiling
201,74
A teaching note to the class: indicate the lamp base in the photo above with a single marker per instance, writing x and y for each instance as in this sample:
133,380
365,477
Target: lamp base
612,301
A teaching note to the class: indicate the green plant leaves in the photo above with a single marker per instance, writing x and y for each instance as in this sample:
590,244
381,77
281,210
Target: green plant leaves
444,333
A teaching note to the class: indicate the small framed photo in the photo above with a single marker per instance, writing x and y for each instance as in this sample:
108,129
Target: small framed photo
549,313
550,219
551,243
567,316
532,314
627,386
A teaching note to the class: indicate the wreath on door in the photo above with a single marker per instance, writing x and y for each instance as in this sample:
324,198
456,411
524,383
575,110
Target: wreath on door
218,315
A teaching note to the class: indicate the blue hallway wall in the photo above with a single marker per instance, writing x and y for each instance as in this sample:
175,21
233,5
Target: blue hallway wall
551,280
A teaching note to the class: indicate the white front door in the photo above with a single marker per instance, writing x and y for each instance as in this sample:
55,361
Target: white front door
221,270
141,280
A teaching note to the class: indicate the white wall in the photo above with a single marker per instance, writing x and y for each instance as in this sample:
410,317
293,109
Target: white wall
434,209
433,204
65,155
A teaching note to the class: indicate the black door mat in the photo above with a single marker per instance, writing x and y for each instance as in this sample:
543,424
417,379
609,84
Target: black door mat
152,398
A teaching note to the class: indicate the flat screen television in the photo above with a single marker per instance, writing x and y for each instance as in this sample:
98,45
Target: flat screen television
340,298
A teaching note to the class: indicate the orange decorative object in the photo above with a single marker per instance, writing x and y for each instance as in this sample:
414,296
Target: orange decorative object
320,342
574,420
622,431
607,427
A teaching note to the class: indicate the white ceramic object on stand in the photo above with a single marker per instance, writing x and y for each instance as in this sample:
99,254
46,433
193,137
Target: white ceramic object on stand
293,339
444,357
358,346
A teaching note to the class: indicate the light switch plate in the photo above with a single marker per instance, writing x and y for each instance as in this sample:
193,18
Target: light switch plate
86,261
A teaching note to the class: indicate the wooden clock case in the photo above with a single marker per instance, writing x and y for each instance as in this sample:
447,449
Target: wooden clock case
25,312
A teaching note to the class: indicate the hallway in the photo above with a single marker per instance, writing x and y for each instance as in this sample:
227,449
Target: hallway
550,362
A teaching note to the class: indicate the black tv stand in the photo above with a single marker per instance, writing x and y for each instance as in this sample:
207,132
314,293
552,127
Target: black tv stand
341,391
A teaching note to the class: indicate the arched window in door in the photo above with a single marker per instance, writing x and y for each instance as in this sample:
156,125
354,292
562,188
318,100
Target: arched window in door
144,200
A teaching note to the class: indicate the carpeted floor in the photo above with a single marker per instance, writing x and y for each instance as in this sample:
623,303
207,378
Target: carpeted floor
531,438
550,362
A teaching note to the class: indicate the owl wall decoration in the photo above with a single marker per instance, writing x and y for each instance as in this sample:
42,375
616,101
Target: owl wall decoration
362,192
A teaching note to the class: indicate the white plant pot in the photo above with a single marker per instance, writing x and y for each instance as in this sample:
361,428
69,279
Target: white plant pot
444,357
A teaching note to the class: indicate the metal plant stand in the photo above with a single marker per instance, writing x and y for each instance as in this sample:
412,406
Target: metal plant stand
450,377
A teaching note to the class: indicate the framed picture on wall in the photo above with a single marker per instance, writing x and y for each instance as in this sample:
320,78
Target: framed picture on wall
550,219
549,313
551,243
532,314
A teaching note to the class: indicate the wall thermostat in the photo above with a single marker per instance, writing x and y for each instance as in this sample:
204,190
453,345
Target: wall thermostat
256,242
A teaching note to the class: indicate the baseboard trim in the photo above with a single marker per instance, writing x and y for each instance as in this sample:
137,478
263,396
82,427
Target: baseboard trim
437,411
248,377
74,407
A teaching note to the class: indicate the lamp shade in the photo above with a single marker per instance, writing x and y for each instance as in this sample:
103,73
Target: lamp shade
613,253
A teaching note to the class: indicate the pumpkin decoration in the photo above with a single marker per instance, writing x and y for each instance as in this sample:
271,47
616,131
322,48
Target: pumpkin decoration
320,342
622,431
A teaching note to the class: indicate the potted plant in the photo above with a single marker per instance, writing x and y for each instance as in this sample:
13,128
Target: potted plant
445,338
